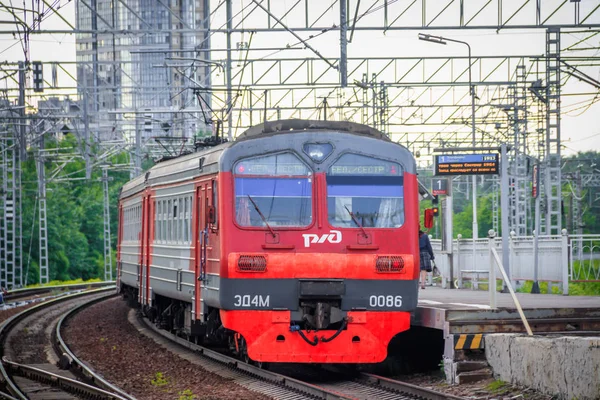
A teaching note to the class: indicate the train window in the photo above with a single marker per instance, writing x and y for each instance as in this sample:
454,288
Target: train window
175,220
169,221
181,220
157,212
186,222
280,186
164,221
215,202
369,189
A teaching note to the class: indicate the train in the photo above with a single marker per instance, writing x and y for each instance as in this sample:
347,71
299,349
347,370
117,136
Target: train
297,242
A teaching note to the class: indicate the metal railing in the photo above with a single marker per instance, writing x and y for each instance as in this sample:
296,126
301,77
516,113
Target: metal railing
561,259
584,258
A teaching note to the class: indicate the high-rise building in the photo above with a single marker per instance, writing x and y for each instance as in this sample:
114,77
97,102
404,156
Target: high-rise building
137,62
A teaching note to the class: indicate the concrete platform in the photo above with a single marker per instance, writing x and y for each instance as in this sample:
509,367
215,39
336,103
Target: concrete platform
467,311
464,319
478,299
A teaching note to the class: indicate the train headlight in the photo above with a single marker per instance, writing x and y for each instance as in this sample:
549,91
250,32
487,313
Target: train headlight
390,264
252,263
318,151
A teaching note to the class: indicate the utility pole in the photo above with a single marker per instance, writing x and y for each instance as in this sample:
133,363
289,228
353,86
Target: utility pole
228,71
535,288
22,85
343,44
504,206
107,254
86,133
12,139
44,273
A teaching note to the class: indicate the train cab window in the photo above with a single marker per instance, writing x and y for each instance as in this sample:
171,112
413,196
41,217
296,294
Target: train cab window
277,186
370,189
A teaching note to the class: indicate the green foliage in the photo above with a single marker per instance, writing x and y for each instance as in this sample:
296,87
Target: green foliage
575,288
527,285
67,282
187,394
159,380
75,215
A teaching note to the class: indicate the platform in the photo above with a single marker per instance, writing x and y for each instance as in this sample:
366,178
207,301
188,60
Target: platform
458,311
463,318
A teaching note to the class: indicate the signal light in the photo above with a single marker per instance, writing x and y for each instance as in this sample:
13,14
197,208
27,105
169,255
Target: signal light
436,211
434,200
38,77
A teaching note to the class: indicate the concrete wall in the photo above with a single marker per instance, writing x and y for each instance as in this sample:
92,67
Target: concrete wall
564,366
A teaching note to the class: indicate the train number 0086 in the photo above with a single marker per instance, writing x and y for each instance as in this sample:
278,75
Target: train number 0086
385,301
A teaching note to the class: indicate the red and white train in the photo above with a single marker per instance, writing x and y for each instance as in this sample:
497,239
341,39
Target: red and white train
297,242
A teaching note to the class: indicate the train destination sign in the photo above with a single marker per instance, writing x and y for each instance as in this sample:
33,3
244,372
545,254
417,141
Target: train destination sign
467,164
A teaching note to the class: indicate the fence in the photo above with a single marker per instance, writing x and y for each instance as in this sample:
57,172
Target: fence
562,259
585,258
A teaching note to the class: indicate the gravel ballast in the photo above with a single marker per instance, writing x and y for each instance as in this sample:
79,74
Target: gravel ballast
102,336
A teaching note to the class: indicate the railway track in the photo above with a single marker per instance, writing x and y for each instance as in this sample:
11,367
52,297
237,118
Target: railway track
29,345
283,386
20,297
25,375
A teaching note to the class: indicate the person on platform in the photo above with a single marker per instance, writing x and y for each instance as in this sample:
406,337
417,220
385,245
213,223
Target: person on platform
426,256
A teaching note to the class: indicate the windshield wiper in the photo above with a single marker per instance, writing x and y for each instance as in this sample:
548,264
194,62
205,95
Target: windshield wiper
356,221
261,215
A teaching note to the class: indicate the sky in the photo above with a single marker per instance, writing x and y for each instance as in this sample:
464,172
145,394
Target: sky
580,123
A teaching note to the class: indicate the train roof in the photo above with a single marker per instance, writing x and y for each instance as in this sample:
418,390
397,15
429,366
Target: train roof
270,128
207,161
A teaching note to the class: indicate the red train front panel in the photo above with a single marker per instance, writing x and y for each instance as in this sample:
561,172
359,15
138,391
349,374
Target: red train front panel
319,253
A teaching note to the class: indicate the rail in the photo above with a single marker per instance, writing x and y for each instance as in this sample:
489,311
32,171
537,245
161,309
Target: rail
78,364
55,380
10,368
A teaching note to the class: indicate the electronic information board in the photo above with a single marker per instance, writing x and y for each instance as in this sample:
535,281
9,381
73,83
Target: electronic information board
467,164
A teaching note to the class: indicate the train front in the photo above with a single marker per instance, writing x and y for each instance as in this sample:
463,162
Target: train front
320,249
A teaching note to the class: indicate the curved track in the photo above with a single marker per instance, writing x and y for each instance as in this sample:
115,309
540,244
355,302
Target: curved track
28,368
20,297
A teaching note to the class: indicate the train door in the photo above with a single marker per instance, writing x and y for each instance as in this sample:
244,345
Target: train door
144,275
200,239
119,240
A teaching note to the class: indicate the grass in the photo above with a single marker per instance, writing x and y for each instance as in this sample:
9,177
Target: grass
527,285
497,387
159,380
187,394
575,288
71,282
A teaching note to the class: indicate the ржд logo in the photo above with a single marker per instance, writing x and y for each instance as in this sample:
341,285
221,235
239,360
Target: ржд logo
331,237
